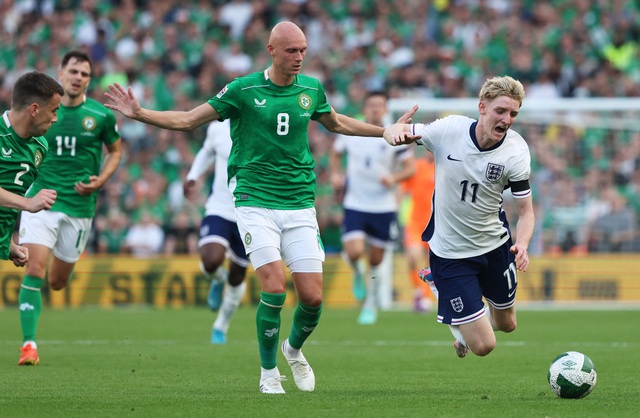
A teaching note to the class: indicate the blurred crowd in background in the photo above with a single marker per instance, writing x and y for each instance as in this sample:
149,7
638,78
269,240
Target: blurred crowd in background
176,54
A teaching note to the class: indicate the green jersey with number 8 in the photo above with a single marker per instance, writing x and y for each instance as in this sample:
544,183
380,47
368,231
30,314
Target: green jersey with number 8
76,142
271,164
20,160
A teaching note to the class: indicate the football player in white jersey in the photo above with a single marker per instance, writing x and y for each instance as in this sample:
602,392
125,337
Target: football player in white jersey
472,253
219,235
373,169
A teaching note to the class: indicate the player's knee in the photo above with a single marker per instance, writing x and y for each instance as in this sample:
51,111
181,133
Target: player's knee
482,348
210,265
312,301
508,326
57,284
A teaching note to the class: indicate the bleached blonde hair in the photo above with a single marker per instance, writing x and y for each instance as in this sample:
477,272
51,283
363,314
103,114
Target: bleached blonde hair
502,86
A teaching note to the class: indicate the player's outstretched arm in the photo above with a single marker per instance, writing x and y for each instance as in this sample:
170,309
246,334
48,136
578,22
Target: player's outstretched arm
44,199
345,125
125,102
18,254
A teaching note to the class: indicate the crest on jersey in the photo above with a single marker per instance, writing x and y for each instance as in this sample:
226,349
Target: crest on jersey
494,172
457,304
304,100
89,123
221,92
37,159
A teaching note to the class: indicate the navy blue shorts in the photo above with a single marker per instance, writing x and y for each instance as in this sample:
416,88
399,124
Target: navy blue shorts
462,283
380,228
217,229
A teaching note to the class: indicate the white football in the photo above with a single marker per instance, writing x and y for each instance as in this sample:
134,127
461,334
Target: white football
572,375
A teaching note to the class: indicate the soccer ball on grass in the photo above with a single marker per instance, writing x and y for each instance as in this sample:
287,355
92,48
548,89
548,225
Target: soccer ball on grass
572,375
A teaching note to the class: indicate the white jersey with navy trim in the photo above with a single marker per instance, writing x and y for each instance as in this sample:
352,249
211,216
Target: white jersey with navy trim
467,218
368,159
216,149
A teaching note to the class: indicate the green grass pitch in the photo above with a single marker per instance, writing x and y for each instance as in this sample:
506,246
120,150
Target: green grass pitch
143,362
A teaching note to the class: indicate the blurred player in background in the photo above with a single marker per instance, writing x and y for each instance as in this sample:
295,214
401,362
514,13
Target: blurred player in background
74,169
271,176
35,100
419,189
472,254
219,235
373,169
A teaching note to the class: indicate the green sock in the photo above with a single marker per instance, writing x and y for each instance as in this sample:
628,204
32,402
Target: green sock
30,302
268,324
305,320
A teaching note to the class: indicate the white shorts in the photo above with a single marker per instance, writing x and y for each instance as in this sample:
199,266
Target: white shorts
294,233
65,235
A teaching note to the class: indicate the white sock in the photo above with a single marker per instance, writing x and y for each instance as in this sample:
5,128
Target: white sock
373,287
357,266
432,286
487,311
292,352
267,373
230,302
32,343
221,274
455,330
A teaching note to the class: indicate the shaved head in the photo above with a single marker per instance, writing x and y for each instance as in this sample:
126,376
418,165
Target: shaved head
285,31
287,47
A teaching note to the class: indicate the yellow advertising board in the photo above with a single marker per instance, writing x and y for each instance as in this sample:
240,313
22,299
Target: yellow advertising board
177,281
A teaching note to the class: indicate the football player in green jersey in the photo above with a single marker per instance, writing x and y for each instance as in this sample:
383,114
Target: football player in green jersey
75,168
35,100
271,176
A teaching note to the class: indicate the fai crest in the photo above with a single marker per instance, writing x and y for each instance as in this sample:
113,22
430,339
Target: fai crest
304,100
247,239
457,304
89,123
37,159
494,172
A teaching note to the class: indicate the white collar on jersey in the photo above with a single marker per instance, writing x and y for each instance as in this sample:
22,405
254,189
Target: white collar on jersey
5,116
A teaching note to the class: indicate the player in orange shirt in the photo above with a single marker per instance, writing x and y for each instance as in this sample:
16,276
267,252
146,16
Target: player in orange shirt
419,188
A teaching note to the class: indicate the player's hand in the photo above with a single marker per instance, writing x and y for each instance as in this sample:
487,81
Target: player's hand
189,188
522,257
408,115
401,138
337,181
124,101
84,189
44,199
387,180
18,254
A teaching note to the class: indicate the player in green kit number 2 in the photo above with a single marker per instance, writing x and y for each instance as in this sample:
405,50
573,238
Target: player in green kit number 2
76,170
271,177
35,100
